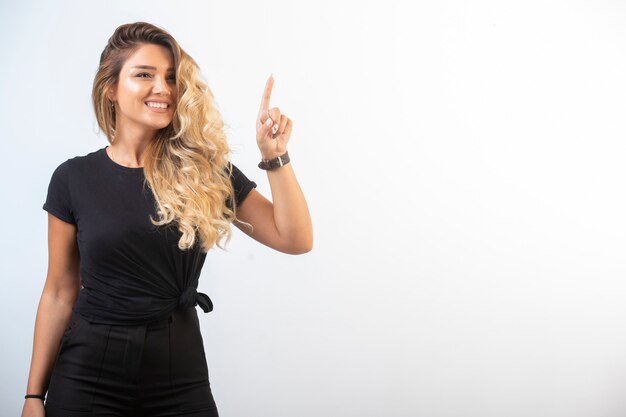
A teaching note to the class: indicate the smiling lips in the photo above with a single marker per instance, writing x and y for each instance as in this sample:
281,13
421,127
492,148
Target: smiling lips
157,107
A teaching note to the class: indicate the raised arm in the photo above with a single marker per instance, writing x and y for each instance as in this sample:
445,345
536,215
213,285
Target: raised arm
284,223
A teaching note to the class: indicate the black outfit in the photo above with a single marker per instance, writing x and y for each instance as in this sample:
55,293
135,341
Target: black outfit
133,346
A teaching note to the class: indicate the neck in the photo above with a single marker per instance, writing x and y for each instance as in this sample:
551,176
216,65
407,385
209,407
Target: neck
127,153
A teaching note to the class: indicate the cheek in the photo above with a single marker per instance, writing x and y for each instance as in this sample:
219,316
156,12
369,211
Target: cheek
132,88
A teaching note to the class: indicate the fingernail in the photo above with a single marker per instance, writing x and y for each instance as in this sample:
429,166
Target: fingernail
268,122
275,128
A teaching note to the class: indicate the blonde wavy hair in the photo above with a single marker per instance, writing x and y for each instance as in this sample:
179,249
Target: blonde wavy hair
187,163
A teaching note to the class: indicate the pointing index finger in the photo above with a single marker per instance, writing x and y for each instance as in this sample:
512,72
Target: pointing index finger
265,100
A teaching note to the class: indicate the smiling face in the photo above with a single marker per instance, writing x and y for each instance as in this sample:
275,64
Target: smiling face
146,84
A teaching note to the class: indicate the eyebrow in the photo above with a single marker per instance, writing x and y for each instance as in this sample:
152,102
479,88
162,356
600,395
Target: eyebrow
149,67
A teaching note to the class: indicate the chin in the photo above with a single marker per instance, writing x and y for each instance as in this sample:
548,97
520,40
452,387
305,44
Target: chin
158,126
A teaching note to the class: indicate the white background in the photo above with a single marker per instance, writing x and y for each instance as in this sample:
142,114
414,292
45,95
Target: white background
463,163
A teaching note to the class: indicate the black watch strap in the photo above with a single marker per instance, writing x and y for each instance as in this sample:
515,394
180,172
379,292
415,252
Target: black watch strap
279,161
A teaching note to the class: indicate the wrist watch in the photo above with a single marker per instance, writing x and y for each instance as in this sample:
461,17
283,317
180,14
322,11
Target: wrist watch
279,161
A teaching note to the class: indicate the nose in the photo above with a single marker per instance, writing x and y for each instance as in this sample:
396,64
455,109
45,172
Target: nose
160,86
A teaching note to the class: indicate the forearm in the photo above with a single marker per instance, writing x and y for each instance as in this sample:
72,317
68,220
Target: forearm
291,213
53,316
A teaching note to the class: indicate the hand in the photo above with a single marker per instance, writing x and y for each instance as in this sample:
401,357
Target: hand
33,407
272,140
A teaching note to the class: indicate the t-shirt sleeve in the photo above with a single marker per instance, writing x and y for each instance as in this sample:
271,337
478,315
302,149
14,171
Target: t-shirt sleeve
58,201
241,184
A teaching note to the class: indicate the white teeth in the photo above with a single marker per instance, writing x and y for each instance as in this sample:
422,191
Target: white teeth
159,105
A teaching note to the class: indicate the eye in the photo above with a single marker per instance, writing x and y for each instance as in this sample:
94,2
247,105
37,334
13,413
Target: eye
172,78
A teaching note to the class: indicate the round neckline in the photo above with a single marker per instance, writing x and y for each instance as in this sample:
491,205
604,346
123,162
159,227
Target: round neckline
136,170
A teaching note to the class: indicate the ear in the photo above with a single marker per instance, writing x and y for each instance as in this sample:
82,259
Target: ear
111,93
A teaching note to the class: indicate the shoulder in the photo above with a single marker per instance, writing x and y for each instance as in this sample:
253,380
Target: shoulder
77,164
234,171
86,160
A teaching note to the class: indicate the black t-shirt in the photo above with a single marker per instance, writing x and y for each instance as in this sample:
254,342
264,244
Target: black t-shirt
132,272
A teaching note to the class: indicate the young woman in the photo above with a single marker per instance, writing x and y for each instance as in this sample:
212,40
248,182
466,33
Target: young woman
129,226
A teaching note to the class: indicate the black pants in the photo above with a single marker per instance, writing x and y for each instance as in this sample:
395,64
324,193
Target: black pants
153,370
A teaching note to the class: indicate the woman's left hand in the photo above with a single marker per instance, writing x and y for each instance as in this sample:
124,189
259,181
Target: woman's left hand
272,128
